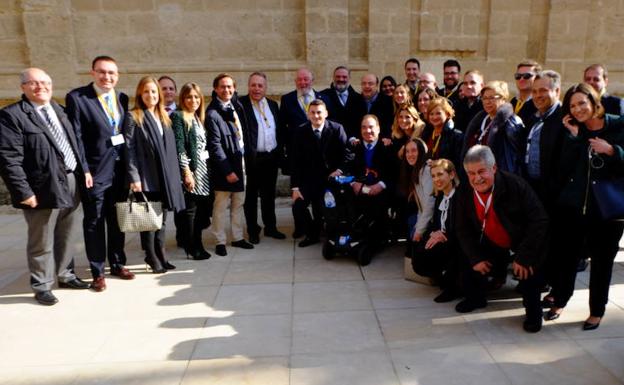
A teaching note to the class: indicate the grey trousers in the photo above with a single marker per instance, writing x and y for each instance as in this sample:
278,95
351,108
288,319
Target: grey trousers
50,242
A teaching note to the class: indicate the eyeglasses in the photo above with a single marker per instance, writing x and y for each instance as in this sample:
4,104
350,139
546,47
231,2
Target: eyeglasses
490,98
34,83
525,76
449,73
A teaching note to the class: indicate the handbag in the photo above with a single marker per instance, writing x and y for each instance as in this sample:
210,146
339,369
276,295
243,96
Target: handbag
609,195
134,216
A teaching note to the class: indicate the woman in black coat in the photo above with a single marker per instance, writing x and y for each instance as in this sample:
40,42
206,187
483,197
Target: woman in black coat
593,152
192,145
152,163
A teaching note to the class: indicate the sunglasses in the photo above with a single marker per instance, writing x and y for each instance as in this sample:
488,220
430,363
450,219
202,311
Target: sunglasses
525,76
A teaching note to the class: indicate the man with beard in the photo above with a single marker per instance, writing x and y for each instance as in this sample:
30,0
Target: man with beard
450,90
344,105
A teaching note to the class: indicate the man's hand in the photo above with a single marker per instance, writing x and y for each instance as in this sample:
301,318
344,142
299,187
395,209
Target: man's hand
335,174
521,272
31,202
482,267
356,187
296,194
416,237
136,187
386,141
231,177
375,189
88,180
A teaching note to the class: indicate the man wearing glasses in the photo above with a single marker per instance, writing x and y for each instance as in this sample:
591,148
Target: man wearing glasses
450,90
524,76
44,169
97,111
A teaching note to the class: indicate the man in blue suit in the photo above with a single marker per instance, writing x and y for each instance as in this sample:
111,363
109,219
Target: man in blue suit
97,112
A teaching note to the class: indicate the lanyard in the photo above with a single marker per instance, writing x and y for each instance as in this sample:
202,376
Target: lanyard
484,130
434,150
259,107
110,109
486,206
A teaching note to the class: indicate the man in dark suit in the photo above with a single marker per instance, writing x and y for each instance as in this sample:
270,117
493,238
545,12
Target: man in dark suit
293,112
523,103
97,112
470,105
43,168
344,104
451,69
412,74
371,167
378,104
228,142
319,152
596,76
170,93
262,159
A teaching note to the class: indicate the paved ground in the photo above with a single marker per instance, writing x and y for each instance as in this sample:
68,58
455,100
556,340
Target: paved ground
279,315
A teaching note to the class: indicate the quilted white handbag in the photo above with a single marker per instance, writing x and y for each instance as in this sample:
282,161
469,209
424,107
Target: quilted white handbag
134,216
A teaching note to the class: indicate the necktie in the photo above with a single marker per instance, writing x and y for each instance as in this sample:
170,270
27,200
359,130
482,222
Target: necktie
317,133
343,97
368,156
61,140
306,102
111,112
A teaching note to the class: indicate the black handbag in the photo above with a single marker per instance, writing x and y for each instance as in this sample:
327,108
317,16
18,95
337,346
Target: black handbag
609,195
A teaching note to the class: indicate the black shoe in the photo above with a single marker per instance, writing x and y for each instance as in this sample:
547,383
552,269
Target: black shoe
297,234
532,326
46,298
220,250
590,326
274,233
155,265
75,283
468,305
552,315
446,296
243,244
548,302
197,255
168,266
308,241
253,238
581,266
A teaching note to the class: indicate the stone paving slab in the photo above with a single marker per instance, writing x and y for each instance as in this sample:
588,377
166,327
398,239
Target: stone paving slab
283,315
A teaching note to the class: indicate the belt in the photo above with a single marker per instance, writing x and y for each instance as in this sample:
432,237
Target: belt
266,153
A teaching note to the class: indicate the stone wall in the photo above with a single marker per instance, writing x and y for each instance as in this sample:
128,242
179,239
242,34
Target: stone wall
197,39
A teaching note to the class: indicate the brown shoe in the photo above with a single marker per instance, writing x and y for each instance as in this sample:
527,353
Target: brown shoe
122,273
98,284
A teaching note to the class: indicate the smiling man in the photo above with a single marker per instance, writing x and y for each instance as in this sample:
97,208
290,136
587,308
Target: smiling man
344,104
497,214
228,142
44,168
97,112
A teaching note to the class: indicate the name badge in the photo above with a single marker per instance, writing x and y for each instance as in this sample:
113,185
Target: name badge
118,139
203,155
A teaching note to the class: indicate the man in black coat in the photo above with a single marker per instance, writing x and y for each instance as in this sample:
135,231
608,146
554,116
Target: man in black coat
228,142
596,76
451,70
344,105
470,105
496,214
319,152
378,104
263,158
97,112
43,168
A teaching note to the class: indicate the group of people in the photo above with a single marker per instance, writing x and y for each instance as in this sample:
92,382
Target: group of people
472,178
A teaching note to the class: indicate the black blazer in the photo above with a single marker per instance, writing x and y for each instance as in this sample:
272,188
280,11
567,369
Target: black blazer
314,159
225,154
94,131
464,113
527,111
350,115
252,127
382,163
451,141
612,104
152,159
31,163
383,109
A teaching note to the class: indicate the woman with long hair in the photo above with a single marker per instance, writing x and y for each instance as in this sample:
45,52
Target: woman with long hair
191,143
592,153
152,164
407,125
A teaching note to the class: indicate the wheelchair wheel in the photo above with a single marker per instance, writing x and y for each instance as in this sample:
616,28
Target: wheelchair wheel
328,251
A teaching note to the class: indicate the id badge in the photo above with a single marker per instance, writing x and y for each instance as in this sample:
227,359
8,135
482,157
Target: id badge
203,155
118,139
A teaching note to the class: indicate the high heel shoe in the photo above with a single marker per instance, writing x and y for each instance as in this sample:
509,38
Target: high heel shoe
160,254
591,326
154,264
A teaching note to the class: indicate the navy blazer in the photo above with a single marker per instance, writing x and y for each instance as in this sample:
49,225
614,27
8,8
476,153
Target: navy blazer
612,104
252,127
31,163
226,156
382,163
350,115
314,159
94,131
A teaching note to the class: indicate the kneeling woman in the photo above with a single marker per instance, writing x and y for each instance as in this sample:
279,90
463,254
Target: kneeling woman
152,164
415,187
437,255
